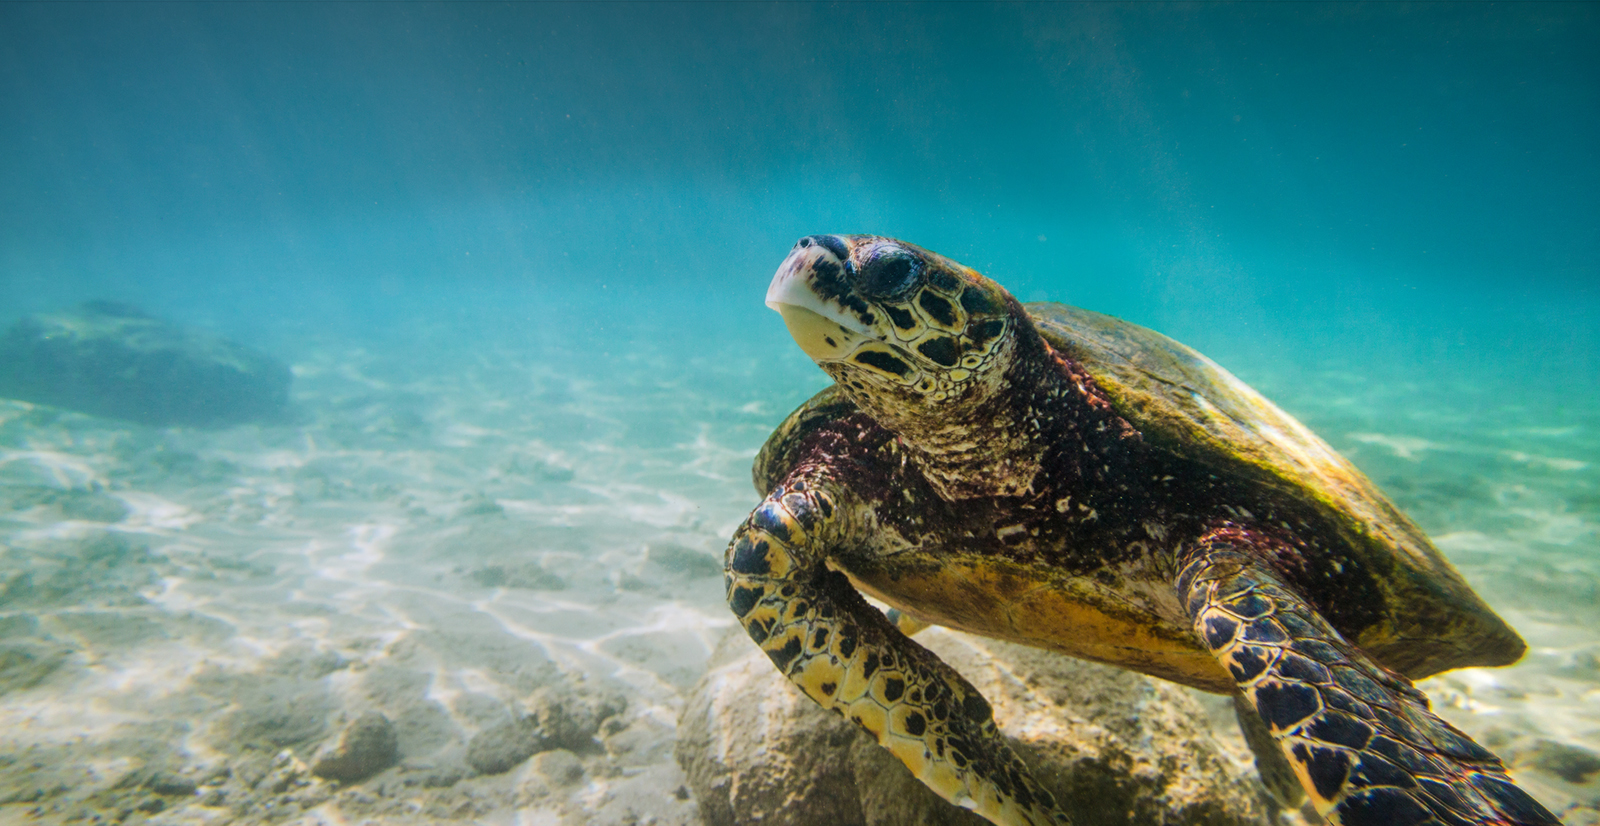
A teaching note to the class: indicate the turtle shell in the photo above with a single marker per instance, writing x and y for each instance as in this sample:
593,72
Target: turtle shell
1183,402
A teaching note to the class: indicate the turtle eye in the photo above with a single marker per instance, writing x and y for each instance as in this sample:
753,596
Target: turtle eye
889,272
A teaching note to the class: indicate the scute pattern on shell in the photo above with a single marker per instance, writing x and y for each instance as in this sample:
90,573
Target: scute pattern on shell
1184,402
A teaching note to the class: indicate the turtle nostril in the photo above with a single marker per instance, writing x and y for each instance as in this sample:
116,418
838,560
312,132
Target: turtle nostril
803,242
831,243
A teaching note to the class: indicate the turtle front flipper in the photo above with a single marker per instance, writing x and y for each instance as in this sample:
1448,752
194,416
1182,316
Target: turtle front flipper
849,658
1359,737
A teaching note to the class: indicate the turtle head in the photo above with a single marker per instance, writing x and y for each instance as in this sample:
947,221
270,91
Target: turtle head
903,330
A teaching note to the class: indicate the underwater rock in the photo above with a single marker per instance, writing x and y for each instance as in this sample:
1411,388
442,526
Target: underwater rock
502,748
170,784
558,718
559,767
26,663
367,746
571,718
1569,763
274,713
113,360
1114,746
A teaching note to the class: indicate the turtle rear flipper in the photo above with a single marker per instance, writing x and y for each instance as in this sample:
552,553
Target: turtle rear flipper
849,658
1360,738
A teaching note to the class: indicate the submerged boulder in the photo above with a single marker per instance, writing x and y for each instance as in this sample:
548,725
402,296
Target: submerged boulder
502,748
111,359
367,746
1115,747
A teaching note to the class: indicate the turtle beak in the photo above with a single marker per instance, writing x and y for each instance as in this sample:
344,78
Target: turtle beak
821,328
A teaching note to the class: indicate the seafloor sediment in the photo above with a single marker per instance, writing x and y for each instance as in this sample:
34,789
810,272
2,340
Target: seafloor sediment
460,540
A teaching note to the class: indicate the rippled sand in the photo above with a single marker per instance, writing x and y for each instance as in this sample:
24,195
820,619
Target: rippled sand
444,535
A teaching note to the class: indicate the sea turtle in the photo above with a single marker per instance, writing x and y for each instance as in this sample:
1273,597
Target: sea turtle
1060,478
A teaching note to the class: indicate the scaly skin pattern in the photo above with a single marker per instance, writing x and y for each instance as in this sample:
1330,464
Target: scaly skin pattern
1360,737
969,475
850,659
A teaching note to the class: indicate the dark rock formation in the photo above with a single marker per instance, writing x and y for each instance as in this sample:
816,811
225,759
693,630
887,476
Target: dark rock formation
1569,763
367,746
558,718
170,784
558,767
26,663
113,360
502,748
571,715
1115,747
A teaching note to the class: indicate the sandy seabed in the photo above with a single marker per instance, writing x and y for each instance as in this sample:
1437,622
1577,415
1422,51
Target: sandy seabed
453,539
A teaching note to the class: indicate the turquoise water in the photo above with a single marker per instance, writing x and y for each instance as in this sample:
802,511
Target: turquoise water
516,255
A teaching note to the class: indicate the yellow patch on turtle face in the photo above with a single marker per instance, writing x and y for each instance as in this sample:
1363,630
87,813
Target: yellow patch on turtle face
887,362
939,311
937,339
822,338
